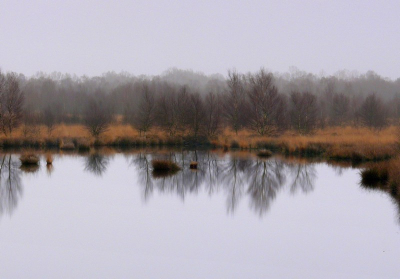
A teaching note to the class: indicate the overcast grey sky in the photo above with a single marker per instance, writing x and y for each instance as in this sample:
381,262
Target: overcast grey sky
148,37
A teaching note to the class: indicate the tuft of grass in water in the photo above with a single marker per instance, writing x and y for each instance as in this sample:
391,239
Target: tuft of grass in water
29,159
164,165
164,168
193,165
49,159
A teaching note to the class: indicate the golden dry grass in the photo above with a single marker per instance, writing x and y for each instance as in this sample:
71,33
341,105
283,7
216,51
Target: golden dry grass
335,142
332,135
245,138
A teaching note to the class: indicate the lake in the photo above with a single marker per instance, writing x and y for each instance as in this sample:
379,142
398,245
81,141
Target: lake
108,215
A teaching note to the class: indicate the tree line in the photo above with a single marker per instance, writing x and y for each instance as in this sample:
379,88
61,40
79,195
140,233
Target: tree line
181,102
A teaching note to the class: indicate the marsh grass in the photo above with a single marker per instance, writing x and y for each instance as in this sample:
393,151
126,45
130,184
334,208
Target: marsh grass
29,159
164,168
351,144
164,165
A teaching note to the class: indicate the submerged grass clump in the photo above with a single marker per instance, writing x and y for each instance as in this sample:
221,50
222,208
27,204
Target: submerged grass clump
29,159
164,165
49,159
164,168
193,165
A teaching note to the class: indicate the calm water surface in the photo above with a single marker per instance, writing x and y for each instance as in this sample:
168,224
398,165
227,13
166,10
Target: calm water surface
110,216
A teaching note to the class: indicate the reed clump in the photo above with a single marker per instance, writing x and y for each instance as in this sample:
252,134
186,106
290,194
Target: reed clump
29,159
164,168
164,165
49,159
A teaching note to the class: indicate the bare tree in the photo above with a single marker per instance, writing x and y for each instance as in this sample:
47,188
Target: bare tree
31,121
167,112
11,101
264,103
196,115
182,109
234,101
49,119
2,93
97,117
213,114
304,112
144,118
372,112
339,109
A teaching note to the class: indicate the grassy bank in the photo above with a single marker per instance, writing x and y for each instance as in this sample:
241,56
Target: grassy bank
339,143
385,177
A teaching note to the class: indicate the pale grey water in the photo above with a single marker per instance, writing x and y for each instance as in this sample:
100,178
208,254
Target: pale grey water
237,217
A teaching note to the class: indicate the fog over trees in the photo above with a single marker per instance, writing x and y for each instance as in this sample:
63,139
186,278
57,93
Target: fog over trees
183,100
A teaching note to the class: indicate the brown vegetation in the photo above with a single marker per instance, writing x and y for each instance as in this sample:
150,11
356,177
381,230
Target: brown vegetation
193,165
29,159
342,143
383,176
49,159
164,165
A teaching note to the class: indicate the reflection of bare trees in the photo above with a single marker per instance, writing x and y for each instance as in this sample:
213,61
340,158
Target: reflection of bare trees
265,179
233,179
180,183
10,183
303,177
143,162
96,163
260,180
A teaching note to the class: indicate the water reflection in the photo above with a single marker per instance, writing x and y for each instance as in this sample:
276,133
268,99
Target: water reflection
29,168
303,178
236,175
11,188
96,163
49,169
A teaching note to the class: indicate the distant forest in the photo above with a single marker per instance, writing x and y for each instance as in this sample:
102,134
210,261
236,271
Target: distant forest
183,100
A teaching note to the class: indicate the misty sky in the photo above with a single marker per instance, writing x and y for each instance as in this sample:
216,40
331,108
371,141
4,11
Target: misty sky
148,37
